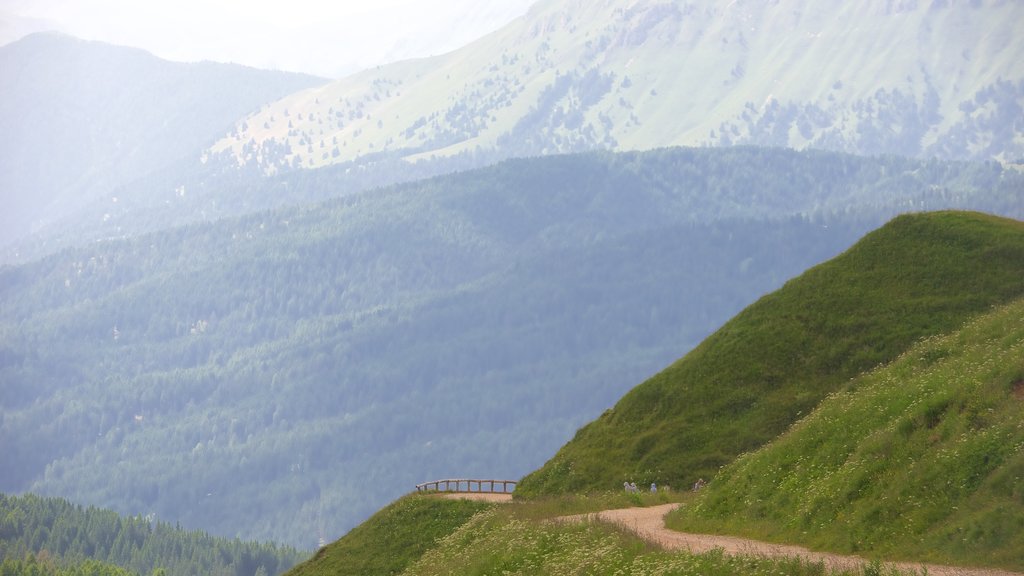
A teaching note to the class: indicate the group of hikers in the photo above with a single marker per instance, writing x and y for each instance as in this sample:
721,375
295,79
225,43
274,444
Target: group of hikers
631,486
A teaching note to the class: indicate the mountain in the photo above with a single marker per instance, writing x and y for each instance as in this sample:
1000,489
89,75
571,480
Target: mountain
80,118
921,79
282,375
747,383
916,458
72,536
940,78
920,459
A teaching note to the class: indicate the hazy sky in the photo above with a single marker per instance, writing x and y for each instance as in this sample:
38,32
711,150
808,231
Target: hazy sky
316,36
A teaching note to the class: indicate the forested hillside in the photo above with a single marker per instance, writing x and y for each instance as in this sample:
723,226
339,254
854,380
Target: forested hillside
82,118
282,375
918,79
43,565
51,532
929,79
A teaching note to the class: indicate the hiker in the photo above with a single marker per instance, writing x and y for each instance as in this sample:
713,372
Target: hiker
699,484
654,488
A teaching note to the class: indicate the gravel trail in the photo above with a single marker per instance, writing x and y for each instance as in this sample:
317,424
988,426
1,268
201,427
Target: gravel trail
649,524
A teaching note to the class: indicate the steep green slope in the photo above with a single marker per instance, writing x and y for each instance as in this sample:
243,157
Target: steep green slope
912,78
393,538
917,276
76,537
286,374
524,539
922,459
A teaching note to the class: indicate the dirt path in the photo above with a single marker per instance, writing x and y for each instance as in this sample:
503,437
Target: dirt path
649,524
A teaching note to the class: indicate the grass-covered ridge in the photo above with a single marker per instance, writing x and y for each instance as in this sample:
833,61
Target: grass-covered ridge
392,538
525,538
917,276
922,459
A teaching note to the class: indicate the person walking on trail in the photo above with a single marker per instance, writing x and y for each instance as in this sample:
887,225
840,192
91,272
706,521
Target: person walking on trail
654,488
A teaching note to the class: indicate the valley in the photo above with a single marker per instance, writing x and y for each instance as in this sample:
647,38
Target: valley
774,246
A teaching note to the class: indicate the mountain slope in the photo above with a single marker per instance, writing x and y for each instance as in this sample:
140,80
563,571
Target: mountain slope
928,445
918,460
393,538
912,78
283,375
917,276
80,118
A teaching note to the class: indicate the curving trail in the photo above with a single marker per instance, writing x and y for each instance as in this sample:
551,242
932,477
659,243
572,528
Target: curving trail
649,524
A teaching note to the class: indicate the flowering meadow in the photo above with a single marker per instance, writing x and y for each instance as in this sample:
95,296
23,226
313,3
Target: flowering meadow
921,459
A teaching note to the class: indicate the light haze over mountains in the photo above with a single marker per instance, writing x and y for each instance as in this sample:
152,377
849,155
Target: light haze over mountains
265,303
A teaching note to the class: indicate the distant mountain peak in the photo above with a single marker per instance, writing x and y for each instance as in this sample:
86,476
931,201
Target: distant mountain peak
82,117
912,78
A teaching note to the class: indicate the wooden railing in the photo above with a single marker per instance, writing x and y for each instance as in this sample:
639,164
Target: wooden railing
464,485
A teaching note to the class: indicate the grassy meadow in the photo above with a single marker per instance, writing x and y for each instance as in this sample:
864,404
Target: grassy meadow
922,459
917,276
873,406
523,538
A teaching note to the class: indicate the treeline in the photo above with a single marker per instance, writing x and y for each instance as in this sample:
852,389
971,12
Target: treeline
50,536
44,565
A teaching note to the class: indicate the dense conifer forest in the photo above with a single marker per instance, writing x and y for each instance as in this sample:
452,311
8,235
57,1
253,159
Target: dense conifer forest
52,536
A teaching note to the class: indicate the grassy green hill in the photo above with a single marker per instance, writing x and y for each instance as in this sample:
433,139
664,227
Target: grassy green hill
427,535
524,539
393,538
917,456
919,275
922,459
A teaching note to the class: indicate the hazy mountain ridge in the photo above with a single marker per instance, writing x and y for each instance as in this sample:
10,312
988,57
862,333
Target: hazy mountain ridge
911,78
942,79
81,118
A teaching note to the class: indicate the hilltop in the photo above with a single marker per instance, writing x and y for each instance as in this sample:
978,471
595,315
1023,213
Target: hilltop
774,362
912,78
915,457
920,459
